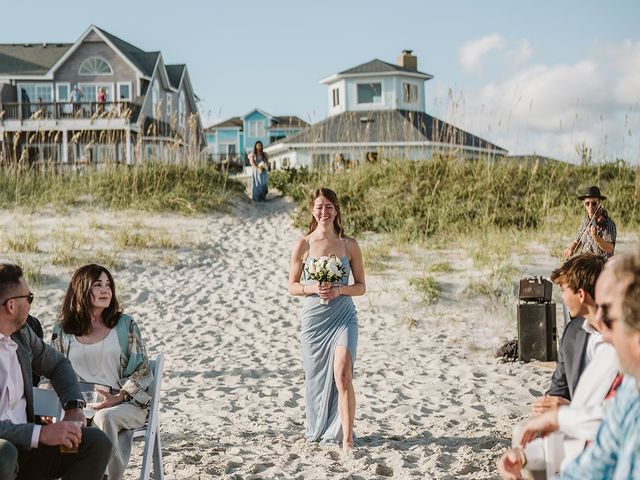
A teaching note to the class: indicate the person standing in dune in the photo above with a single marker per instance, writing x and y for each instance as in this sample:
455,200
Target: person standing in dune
329,328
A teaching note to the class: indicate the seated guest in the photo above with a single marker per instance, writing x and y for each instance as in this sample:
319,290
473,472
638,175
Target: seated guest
577,279
577,423
104,347
29,451
615,452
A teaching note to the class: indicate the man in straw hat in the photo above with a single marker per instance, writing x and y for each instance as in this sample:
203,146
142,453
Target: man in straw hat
597,232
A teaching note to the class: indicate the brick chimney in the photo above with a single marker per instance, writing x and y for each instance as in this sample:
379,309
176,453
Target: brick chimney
407,60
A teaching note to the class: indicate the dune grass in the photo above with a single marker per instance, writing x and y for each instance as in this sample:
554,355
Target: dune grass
434,200
151,186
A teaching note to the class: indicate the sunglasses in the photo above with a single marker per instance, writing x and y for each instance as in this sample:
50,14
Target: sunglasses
593,203
29,298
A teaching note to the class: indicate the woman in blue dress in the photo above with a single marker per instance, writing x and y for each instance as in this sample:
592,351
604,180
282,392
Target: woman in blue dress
329,332
260,169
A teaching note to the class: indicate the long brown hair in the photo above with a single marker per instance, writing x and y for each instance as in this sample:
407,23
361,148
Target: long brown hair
263,154
75,315
333,198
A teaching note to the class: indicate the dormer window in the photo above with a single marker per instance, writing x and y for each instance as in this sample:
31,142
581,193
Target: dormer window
410,93
370,92
95,66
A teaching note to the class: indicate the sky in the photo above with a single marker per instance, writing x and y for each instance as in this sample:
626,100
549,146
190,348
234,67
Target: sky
544,77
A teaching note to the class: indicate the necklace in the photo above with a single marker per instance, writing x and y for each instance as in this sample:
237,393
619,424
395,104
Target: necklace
100,356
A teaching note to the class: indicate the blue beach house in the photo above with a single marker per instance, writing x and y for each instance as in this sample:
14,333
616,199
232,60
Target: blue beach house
233,138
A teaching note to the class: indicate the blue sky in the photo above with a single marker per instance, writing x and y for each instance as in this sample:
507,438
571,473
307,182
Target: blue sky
539,77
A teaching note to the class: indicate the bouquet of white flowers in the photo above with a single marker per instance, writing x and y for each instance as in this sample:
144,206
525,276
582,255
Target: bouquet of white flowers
262,166
326,270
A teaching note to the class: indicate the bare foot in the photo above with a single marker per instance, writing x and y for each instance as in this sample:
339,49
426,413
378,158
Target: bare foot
347,446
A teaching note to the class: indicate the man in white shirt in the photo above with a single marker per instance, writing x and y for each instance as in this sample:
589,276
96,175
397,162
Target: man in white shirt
27,450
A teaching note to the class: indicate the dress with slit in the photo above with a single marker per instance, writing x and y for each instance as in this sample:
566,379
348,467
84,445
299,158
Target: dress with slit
323,328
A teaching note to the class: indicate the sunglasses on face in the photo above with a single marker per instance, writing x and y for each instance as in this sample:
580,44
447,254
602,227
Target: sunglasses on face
29,298
591,204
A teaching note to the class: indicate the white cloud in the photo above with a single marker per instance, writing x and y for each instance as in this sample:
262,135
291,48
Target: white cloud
472,53
549,109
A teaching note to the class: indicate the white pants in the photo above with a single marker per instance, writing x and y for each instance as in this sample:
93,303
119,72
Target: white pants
111,421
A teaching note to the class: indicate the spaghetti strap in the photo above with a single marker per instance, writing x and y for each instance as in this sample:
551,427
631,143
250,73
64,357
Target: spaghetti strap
306,255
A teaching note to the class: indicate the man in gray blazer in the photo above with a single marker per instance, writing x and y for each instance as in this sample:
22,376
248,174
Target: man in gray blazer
29,451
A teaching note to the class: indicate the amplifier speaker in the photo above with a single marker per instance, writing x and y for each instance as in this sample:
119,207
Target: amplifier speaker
535,289
537,333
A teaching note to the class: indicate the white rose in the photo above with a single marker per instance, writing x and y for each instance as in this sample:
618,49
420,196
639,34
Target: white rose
333,268
312,268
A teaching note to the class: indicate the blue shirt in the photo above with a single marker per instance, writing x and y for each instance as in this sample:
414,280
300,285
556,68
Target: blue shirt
615,453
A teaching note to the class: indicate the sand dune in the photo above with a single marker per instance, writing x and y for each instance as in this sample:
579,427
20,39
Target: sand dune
431,400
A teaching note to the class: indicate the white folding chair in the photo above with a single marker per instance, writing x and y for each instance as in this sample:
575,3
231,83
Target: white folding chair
150,434
46,403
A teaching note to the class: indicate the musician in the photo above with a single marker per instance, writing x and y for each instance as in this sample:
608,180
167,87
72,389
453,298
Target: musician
597,232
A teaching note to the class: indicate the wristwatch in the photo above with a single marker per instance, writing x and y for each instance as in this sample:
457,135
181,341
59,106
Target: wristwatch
77,403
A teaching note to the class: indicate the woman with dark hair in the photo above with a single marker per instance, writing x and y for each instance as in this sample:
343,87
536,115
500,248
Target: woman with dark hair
104,347
329,332
260,168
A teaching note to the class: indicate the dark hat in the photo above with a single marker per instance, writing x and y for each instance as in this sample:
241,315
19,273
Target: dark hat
591,192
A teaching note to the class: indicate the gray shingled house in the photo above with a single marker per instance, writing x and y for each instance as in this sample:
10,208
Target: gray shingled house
377,110
99,99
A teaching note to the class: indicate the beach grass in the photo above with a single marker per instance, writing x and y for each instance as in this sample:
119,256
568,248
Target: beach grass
150,186
442,198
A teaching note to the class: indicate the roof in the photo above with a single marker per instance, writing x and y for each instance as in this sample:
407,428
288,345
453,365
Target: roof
378,66
30,58
289,121
175,73
234,122
387,126
144,61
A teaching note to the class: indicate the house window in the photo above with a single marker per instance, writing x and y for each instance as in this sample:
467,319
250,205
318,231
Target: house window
155,98
336,96
169,105
181,111
62,92
256,128
95,66
124,91
410,93
90,91
369,93
33,93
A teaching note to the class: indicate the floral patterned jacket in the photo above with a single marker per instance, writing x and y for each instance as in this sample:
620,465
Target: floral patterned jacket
135,375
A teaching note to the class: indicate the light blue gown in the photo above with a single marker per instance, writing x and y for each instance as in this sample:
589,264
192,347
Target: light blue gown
323,328
259,183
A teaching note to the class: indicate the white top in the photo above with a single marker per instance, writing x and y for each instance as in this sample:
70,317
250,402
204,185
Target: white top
595,339
13,403
98,362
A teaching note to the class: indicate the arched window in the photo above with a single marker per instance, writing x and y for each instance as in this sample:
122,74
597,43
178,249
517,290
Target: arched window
95,66
181,110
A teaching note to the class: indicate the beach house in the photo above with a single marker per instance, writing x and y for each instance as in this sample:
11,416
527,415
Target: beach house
233,138
377,110
96,100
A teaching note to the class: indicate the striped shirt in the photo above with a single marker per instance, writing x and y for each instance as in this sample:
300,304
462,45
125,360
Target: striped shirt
615,453
605,228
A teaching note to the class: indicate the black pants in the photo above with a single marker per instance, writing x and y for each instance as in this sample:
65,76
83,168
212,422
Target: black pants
47,462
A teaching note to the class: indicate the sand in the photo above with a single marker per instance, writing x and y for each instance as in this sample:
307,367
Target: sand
432,402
